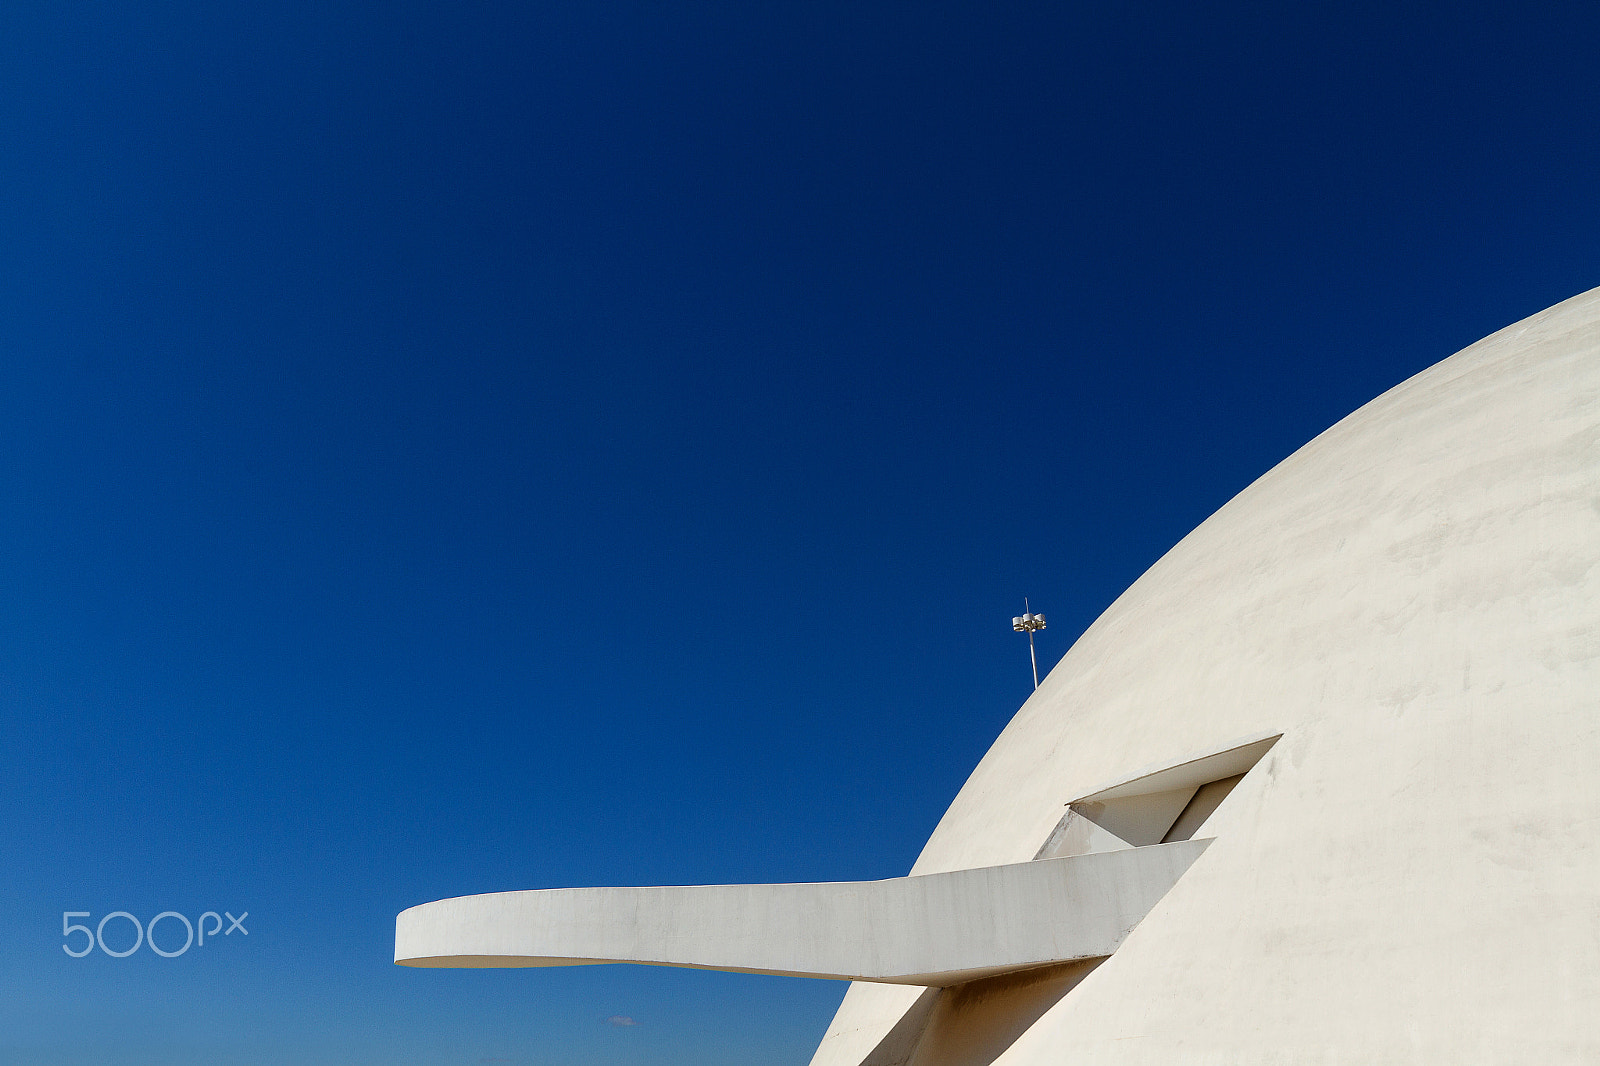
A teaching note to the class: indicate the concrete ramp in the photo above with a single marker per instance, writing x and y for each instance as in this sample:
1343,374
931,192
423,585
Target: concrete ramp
935,929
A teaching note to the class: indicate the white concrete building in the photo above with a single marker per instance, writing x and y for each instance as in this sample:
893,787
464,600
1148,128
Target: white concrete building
1323,786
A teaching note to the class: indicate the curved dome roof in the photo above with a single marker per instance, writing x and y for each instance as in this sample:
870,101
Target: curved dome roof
1412,873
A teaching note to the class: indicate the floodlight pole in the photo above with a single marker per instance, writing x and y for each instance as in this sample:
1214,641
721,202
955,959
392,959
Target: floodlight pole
1027,624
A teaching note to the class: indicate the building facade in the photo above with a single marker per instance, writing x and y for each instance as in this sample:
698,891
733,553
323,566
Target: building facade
1323,786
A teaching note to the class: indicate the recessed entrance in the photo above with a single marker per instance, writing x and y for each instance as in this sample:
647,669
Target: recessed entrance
1155,806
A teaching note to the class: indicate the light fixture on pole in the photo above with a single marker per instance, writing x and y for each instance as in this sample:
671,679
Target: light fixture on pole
1027,624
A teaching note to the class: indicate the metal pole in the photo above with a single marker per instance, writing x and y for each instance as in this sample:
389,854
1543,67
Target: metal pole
1027,623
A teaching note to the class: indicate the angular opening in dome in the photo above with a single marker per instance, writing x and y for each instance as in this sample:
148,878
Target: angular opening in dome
1154,806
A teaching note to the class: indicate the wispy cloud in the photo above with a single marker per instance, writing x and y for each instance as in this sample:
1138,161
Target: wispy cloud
620,1021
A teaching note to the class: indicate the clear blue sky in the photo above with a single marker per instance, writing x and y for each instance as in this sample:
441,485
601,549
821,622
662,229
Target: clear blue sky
454,446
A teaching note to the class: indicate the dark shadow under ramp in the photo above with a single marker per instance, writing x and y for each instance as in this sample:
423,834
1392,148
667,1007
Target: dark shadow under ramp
974,1023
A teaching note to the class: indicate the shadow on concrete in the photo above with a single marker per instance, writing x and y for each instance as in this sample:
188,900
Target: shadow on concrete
972,1024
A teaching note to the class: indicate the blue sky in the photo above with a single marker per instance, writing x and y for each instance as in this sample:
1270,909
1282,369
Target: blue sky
454,447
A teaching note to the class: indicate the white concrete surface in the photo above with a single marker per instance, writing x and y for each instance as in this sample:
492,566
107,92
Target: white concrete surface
937,929
1412,874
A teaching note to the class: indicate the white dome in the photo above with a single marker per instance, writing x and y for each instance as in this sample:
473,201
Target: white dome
1412,872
